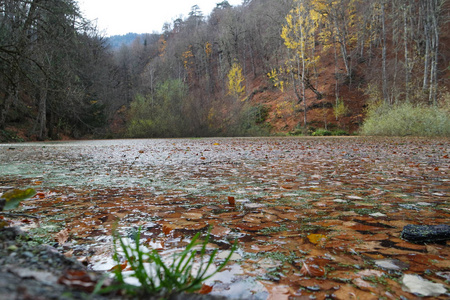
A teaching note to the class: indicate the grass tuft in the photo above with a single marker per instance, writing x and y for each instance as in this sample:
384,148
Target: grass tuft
160,278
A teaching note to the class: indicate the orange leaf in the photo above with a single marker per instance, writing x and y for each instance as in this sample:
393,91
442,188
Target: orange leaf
166,229
40,195
119,267
231,200
206,289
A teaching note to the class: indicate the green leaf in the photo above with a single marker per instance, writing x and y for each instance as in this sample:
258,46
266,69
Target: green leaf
14,197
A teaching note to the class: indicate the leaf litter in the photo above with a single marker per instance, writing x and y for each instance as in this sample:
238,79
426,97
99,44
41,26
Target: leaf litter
313,217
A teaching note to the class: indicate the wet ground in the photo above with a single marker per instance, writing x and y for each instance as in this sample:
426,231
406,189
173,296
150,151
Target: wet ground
315,217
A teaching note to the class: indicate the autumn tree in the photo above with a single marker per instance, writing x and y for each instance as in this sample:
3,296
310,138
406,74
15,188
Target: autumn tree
235,81
299,35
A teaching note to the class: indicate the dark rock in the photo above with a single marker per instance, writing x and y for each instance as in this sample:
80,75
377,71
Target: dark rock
426,233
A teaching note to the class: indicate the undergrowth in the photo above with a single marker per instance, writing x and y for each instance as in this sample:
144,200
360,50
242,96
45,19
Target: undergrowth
406,119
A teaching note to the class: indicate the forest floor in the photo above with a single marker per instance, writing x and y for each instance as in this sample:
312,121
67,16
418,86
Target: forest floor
315,217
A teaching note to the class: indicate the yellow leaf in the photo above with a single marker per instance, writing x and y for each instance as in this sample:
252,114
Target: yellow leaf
14,197
316,238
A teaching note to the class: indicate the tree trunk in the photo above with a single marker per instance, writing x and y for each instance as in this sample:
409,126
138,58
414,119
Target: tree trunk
434,74
41,120
11,98
405,42
384,71
427,47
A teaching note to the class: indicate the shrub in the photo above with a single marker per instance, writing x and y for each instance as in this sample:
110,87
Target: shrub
406,120
339,132
322,132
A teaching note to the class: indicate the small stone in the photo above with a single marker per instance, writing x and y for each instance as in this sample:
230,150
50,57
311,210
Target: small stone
425,204
340,201
422,287
391,264
353,197
377,214
28,254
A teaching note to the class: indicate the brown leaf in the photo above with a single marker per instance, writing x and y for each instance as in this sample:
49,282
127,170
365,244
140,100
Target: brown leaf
62,236
312,270
192,216
220,231
166,229
348,292
80,280
231,201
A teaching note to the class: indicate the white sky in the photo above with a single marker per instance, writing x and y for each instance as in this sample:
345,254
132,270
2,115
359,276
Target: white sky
117,17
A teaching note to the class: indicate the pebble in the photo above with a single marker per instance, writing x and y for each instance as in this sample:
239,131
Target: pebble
391,264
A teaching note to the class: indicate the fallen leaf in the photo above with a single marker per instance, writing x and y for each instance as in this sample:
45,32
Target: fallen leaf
317,238
364,285
220,231
348,292
312,270
80,280
192,216
166,229
15,196
69,253
62,236
231,201
206,289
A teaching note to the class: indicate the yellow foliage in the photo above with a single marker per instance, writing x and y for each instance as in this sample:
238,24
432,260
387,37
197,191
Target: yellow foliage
299,32
187,55
208,48
274,76
162,46
235,79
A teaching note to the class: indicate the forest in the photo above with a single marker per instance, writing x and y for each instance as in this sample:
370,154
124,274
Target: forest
299,67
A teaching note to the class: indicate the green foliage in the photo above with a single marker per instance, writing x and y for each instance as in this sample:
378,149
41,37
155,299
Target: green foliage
9,136
248,121
12,198
339,132
162,278
159,114
406,120
261,112
340,109
322,132
329,132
